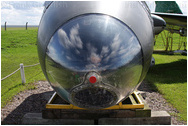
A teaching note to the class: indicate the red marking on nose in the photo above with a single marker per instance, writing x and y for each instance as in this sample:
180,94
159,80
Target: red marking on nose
92,79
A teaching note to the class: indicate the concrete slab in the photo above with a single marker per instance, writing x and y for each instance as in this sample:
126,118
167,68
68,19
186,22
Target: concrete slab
36,119
157,118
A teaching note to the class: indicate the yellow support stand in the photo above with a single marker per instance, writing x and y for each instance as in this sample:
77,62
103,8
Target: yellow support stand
137,103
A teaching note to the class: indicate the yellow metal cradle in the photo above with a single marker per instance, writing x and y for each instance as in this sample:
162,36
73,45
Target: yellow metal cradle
135,98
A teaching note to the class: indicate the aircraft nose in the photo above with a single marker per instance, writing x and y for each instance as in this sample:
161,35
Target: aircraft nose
95,37
111,48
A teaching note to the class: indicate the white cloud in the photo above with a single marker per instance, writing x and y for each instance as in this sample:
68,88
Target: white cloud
20,12
74,41
75,38
183,6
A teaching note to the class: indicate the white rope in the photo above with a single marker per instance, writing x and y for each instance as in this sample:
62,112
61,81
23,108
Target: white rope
11,74
32,65
17,70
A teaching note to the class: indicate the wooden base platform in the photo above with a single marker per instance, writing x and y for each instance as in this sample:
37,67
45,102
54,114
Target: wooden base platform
133,106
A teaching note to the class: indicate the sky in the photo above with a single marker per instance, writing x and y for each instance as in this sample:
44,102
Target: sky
20,12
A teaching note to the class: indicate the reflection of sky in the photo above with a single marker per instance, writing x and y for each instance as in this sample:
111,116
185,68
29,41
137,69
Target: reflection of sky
94,42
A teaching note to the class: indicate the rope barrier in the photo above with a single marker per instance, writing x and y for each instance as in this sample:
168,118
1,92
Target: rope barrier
11,74
18,70
32,65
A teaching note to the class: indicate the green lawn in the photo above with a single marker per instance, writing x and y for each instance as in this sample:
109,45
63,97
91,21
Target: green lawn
169,77
18,46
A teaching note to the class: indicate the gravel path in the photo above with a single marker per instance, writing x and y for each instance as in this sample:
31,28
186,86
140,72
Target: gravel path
33,101
30,101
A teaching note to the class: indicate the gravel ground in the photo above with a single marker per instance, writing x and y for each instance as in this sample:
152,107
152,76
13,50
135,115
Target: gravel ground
33,101
30,101
157,103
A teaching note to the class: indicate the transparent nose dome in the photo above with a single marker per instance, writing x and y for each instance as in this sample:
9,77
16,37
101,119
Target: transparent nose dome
97,43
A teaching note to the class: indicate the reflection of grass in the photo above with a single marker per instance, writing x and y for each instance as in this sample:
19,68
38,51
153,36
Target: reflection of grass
18,46
63,76
169,75
124,77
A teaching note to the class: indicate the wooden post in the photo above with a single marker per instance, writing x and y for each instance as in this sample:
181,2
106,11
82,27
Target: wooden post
26,25
5,25
22,73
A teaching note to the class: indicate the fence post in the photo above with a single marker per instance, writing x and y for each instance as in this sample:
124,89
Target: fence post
22,73
26,25
5,25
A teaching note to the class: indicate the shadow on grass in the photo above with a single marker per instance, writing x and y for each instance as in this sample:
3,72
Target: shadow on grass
34,76
11,88
162,52
32,104
174,72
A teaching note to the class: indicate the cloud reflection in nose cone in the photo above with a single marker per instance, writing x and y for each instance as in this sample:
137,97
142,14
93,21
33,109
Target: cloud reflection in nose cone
100,44
94,43
95,59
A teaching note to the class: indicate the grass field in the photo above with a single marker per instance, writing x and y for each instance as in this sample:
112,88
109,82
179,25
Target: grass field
169,76
18,45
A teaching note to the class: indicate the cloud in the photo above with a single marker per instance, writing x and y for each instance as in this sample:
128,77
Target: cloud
52,53
74,41
116,43
183,6
84,55
115,47
20,12
75,38
104,52
64,39
94,58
